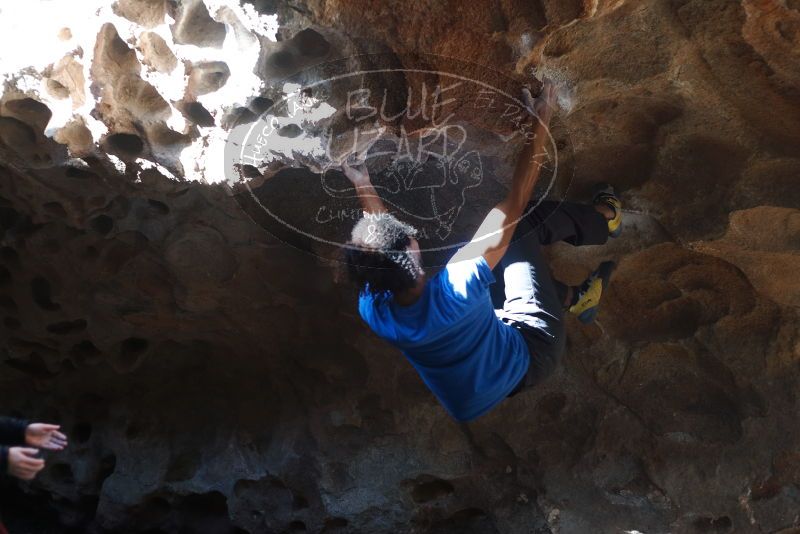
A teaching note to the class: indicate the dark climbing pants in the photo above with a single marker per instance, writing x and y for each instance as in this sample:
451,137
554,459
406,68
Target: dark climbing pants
526,296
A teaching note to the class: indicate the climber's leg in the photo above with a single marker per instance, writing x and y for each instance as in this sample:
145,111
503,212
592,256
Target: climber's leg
608,202
576,224
551,221
532,302
585,299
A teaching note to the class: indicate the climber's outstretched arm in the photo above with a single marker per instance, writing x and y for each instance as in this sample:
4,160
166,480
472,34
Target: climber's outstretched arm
494,234
370,200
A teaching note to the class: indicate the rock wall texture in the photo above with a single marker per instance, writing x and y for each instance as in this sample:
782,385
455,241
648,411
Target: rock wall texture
215,379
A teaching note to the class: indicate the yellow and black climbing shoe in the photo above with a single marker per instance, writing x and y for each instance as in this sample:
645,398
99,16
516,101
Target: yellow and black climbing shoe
587,296
606,194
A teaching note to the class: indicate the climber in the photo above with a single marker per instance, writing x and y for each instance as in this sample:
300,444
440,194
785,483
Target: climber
471,348
21,443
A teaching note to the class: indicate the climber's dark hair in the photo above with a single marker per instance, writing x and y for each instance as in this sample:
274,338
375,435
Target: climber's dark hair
377,255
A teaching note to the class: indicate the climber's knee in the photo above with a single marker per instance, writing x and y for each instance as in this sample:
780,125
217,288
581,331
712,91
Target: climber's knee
545,353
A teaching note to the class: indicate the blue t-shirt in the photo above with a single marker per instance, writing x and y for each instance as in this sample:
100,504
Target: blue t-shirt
469,358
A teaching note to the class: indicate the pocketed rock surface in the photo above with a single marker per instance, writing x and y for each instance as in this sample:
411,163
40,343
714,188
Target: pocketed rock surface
213,378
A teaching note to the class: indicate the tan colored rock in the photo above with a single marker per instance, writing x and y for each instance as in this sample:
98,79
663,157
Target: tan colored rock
112,56
207,77
156,52
28,110
194,25
146,13
764,242
67,79
65,34
140,99
77,137
773,29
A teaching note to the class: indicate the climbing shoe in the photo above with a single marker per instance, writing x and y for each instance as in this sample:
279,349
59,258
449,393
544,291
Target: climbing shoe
606,194
587,297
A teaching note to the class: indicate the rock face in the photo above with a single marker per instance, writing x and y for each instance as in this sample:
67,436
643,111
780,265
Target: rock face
215,379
